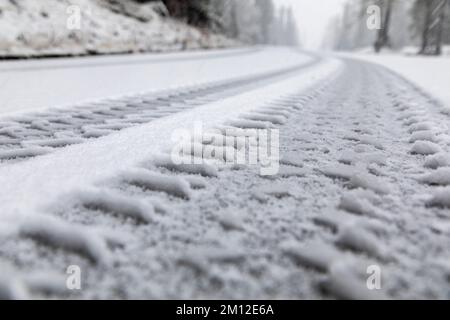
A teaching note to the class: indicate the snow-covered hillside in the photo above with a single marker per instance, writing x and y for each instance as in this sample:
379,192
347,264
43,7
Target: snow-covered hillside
79,27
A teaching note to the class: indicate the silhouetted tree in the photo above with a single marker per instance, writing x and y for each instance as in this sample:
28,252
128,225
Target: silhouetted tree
267,18
383,39
432,14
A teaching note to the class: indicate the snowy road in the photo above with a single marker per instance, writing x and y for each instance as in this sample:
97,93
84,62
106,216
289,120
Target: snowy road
362,183
36,85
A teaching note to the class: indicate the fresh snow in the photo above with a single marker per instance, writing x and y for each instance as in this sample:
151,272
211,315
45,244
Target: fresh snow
440,176
174,186
437,160
54,175
432,74
64,235
362,183
425,148
117,204
315,255
64,82
47,27
440,197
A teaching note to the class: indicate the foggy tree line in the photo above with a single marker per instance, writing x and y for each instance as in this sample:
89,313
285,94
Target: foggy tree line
250,21
421,23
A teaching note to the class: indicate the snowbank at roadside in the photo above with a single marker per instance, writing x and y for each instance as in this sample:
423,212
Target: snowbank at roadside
408,50
50,28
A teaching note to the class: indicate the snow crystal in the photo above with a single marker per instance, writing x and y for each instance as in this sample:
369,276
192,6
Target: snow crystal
96,133
370,140
339,171
340,221
275,112
10,131
351,136
230,131
348,157
437,160
46,282
6,141
277,120
194,261
411,114
174,186
422,126
202,169
423,136
351,157
278,190
358,239
440,226
440,198
116,203
61,234
360,148
287,171
195,182
291,159
347,280
111,126
440,176
314,255
222,140
250,124
425,148
24,152
56,143
364,130
333,221
304,137
371,182
113,237
207,151
354,203
377,158
227,254
412,120
12,288
231,221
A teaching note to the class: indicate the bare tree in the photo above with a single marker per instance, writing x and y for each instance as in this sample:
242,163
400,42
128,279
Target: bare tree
430,15
267,18
446,28
383,39
291,28
441,13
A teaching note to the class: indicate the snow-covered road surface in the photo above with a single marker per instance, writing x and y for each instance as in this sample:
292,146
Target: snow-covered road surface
27,86
362,184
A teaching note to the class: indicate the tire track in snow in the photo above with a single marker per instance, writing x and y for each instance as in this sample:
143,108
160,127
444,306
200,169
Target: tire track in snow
28,136
94,242
350,194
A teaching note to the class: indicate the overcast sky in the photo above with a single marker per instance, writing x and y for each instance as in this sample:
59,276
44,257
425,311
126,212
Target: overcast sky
313,17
